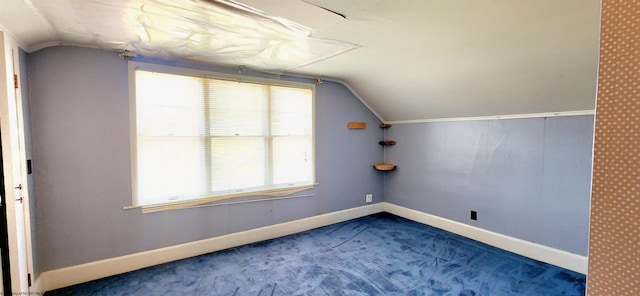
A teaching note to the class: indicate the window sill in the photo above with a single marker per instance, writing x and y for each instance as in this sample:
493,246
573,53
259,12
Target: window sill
274,194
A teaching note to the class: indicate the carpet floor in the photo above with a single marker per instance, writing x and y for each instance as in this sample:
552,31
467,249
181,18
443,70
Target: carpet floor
381,254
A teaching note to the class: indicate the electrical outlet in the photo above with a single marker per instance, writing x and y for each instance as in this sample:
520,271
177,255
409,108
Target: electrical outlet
369,197
474,215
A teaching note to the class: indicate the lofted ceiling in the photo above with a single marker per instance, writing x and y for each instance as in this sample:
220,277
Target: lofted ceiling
407,60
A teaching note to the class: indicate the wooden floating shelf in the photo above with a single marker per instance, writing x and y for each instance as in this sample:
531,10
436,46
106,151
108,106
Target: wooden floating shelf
387,143
384,166
357,125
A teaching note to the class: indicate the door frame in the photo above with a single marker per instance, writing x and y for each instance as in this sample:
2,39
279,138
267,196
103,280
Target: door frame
14,168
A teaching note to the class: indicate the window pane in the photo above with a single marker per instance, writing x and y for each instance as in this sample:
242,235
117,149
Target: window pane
169,104
202,137
237,109
237,163
169,169
291,112
292,160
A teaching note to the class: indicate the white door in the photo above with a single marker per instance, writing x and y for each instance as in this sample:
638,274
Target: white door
14,166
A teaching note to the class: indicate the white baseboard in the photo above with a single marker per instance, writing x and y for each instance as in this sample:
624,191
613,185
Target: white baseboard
38,285
72,275
535,251
63,277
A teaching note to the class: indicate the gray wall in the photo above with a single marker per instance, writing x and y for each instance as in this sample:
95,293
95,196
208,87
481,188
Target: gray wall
80,121
26,111
526,178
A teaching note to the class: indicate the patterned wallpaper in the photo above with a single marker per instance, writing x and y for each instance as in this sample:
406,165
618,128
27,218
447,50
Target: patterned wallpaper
614,244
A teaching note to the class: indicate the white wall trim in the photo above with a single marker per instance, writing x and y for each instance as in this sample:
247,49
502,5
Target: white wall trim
355,94
497,117
345,84
38,285
535,251
63,277
72,275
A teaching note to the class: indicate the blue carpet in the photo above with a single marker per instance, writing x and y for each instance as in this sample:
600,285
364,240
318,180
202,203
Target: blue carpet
379,254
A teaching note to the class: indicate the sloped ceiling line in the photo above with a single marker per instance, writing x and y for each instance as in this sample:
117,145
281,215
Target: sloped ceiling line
407,60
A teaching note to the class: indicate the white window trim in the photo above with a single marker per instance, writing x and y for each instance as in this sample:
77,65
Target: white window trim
171,205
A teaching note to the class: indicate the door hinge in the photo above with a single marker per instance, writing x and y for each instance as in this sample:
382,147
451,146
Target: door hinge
15,80
19,187
29,279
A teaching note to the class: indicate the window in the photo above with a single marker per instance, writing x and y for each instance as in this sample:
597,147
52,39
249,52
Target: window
200,139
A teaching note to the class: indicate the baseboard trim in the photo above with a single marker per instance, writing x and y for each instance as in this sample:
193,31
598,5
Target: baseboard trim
72,275
38,285
535,251
68,276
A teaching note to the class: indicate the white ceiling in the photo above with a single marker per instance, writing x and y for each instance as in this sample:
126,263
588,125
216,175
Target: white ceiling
406,59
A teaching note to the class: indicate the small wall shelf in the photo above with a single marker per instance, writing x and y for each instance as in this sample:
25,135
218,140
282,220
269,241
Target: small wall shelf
387,143
385,167
357,125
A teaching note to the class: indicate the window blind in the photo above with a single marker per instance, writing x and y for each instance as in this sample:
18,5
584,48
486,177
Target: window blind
201,139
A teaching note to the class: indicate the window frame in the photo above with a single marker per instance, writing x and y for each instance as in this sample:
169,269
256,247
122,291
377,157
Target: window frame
134,66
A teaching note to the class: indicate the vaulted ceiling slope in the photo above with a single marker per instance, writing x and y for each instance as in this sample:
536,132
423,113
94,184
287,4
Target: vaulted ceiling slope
406,59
